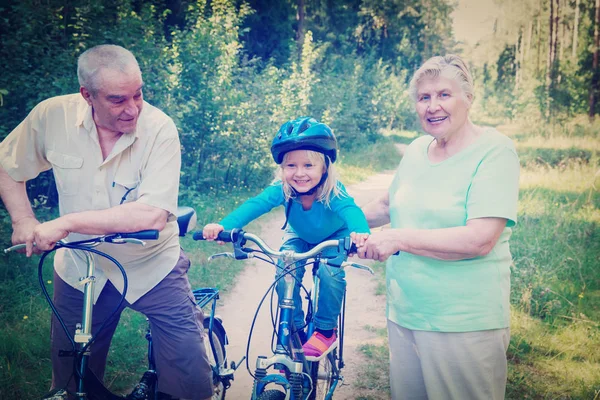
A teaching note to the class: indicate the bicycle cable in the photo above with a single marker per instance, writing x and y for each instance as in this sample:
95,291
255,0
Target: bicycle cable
78,354
270,289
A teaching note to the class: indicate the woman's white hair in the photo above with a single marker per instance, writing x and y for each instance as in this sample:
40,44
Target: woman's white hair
449,66
108,56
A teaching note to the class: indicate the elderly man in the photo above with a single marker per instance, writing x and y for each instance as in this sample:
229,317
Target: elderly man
116,162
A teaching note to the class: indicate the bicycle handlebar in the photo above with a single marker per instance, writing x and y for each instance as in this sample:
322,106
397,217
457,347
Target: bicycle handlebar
239,237
116,238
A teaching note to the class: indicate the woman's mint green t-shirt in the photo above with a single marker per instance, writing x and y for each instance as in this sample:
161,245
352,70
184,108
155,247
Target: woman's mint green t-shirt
453,296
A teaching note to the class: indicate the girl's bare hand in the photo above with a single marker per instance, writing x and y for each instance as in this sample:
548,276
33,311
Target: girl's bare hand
211,231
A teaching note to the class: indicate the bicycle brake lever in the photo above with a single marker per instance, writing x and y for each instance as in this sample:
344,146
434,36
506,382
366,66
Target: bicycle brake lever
360,266
235,256
14,248
228,255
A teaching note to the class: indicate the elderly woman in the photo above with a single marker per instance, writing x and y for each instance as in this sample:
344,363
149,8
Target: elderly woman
452,204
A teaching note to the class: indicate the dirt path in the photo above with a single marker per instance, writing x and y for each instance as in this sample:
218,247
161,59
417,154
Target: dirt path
363,308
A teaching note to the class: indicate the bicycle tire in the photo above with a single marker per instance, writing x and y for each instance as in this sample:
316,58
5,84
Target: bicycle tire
272,394
218,337
322,376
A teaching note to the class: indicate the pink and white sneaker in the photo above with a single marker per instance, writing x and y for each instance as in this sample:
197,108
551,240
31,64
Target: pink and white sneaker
318,346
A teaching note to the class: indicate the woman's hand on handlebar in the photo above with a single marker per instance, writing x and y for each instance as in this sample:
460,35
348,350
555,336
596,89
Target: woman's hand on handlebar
211,231
379,245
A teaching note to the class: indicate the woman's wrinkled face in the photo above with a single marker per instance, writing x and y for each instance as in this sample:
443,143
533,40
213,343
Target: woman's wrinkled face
442,106
301,171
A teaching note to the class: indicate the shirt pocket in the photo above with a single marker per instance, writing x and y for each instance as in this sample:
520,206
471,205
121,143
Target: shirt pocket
124,190
67,171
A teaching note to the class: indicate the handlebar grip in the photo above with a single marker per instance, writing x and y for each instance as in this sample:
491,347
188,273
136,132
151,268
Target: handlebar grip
150,234
353,249
198,236
223,236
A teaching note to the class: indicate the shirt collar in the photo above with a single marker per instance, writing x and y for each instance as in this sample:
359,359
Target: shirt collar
84,116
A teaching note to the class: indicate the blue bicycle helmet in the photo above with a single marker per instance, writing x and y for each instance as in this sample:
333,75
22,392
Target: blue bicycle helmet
304,133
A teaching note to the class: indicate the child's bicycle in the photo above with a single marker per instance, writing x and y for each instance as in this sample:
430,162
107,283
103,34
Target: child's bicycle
287,374
88,386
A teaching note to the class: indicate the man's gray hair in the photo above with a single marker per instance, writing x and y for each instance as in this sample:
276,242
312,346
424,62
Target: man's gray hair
449,66
107,56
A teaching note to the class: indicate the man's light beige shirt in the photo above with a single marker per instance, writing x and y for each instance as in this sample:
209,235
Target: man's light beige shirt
60,134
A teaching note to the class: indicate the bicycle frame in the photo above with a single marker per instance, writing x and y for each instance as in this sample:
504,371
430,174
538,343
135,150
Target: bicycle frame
287,338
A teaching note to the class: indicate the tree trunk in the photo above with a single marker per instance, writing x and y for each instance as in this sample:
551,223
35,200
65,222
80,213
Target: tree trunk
550,58
529,37
300,31
539,40
563,32
595,77
556,60
575,32
519,48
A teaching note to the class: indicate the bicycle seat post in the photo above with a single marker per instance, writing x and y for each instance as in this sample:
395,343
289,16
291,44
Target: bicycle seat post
84,334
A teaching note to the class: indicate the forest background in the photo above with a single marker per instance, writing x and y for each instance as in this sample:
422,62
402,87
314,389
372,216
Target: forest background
230,72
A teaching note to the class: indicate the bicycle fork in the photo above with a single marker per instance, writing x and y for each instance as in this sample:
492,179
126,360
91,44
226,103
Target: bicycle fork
288,351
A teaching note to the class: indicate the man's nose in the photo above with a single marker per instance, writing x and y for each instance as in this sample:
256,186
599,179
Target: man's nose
131,108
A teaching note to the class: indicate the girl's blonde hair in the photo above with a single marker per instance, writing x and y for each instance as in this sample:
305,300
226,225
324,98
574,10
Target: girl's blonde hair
328,190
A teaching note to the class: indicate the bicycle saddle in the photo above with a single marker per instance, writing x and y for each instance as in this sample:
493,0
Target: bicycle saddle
186,219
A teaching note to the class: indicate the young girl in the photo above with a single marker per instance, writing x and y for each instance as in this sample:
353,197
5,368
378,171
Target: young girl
317,208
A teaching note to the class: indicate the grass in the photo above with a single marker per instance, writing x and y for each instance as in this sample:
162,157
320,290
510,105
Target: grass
554,352
355,166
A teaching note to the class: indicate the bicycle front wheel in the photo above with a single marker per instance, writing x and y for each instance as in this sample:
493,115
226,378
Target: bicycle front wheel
322,377
271,395
217,358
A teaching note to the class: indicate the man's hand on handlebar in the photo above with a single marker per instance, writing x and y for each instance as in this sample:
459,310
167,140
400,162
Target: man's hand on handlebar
23,232
47,234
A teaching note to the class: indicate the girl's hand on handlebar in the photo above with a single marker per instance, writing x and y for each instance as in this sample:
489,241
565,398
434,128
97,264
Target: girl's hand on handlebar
211,231
359,239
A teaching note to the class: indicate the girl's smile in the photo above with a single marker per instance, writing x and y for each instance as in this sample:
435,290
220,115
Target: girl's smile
300,172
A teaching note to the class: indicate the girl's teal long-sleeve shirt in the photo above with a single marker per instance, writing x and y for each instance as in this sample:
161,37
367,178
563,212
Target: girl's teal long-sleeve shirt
315,225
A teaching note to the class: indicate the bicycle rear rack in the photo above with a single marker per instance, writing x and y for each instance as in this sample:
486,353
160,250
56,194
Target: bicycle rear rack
204,295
